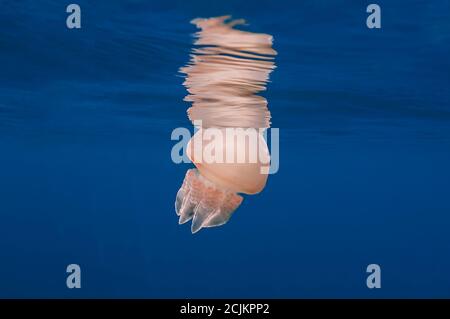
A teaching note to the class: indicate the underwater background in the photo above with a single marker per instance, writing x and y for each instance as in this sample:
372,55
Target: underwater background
86,175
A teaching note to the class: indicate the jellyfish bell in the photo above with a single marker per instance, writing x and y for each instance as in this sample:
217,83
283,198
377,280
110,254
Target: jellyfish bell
232,158
234,161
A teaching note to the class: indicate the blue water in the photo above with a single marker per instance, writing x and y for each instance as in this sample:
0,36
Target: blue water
86,175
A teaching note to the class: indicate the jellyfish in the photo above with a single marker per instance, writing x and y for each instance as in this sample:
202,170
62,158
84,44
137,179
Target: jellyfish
228,67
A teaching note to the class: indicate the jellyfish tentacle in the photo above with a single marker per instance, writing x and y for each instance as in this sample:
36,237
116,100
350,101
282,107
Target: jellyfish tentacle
186,200
221,216
179,200
205,203
187,210
181,195
201,215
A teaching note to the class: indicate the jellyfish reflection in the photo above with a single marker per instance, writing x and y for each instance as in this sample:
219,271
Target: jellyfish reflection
228,67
